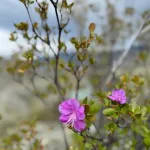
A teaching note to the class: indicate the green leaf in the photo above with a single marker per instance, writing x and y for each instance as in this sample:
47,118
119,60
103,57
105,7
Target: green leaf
8,141
107,102
70,64
146,130
61,65
23,26
36,144
94,108
133,107
90,118
91,61
70,6
63,46
28,54
11,70
31,2
147,141
86,108
15,137
23,1
137,110
74,40
125,108
85,101
88,145
143,111
13,37
92,27
111,126
143,56
109,111
80,57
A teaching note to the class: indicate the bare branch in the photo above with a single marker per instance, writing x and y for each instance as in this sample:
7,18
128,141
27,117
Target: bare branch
32,25
125,53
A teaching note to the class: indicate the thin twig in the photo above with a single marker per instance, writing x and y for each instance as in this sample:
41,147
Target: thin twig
77,87
56,65
124,54
58,53
91,137
47,33
33,26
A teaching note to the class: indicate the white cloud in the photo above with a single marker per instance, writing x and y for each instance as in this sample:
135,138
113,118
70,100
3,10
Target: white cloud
16,13
6,46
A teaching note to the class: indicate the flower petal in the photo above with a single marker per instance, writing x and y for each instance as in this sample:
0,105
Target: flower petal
79,126
74,103
64,108
118,95
123,101
80,113
112,97
122,92
64,118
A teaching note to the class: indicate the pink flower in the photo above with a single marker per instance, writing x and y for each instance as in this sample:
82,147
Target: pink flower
118,95
72,114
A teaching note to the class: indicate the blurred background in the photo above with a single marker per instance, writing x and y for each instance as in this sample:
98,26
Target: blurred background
23,98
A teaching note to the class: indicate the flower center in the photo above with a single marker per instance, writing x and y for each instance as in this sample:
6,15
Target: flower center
72,119
119,97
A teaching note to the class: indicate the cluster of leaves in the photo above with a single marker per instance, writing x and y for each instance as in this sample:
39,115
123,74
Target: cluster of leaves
121,119
91,108
27,61
25,137
129,118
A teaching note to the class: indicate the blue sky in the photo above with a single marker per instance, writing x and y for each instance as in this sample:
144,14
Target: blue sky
12,11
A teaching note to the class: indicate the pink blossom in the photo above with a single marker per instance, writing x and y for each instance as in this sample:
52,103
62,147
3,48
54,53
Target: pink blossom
118,95
72,114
